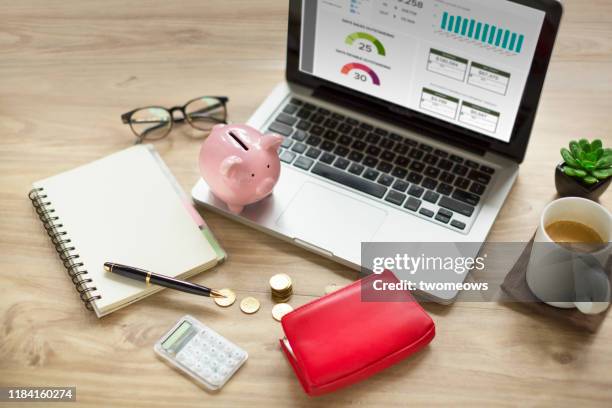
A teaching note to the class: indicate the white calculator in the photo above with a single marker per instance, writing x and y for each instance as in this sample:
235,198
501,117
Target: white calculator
200,352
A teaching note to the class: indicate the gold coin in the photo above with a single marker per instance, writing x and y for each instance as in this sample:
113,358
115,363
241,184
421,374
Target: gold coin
280,282
249,305
281,309
228,300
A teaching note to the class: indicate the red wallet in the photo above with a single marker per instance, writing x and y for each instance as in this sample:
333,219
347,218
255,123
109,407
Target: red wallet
340,339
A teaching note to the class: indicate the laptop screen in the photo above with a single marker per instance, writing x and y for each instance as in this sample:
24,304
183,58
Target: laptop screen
465,62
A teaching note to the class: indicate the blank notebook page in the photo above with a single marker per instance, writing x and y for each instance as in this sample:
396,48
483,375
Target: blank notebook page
124,209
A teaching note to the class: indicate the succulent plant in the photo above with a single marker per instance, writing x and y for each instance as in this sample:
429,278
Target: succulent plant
589,162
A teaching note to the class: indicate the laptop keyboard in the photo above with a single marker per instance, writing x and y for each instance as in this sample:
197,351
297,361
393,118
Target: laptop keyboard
381,164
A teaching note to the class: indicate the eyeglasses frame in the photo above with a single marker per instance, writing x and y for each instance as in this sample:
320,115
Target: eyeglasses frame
223,100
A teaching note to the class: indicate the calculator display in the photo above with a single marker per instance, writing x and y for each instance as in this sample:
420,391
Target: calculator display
175,337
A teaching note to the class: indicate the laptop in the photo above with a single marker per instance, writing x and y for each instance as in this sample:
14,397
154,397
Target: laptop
404,121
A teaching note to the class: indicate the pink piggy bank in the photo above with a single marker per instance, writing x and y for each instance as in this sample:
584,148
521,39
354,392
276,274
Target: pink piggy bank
240,164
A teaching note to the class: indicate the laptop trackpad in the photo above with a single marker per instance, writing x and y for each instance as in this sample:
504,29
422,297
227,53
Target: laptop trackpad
330,220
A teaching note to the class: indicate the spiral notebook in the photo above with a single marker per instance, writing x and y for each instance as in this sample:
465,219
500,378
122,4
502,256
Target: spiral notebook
125,208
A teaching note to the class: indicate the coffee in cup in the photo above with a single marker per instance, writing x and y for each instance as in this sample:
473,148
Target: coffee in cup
574,236
571,256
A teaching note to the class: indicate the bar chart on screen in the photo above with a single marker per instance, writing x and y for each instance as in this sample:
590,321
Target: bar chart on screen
481,33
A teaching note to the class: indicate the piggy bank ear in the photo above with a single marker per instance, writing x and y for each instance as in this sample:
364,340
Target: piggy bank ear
271,141
230,167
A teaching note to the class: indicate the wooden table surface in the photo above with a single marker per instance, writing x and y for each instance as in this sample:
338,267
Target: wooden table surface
69,69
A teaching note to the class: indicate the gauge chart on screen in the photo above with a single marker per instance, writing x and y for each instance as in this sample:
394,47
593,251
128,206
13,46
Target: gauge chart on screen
361,72
366,42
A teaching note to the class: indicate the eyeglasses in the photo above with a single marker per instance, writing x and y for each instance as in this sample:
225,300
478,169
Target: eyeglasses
155,122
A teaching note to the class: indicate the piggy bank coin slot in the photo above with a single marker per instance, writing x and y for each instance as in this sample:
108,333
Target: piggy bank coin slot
237,139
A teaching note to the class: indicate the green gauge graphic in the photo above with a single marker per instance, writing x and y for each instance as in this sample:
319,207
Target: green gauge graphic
380,48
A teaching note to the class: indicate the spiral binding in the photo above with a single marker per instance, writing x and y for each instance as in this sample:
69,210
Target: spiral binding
61,242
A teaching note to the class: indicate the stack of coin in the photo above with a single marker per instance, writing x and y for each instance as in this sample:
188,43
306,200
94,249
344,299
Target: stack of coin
282,287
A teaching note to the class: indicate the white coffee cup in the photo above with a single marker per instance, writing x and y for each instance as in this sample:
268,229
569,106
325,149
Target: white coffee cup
558,273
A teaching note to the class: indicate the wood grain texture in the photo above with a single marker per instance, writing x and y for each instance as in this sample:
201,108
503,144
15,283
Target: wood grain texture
69,69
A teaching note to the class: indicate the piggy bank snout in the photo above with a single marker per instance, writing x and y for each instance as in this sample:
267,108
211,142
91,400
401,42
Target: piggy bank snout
266,186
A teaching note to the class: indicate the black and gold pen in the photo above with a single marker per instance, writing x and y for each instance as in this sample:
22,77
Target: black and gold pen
151,278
